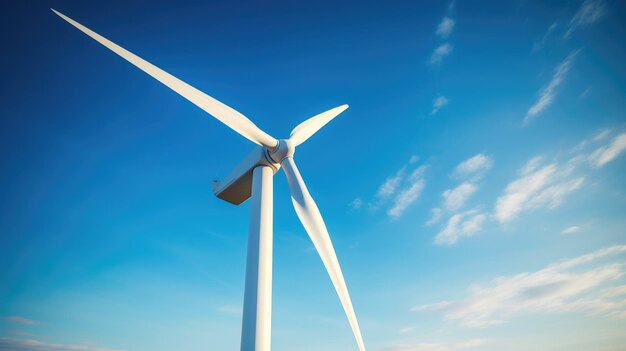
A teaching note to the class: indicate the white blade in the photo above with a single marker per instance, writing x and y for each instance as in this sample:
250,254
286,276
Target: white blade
309,127
314,225
223,113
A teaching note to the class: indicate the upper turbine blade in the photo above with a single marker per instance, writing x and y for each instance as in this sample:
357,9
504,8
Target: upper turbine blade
309,127
314,225
223,113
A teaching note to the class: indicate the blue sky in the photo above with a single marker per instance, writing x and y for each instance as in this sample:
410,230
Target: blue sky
474,190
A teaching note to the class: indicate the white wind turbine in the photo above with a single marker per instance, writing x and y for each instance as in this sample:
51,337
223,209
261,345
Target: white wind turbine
253,178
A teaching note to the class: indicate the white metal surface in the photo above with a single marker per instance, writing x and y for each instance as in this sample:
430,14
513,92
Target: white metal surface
253,177
311,218
306,129
227,115
236,187
257,306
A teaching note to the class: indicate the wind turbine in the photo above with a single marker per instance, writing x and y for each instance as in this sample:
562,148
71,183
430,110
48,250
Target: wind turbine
253,178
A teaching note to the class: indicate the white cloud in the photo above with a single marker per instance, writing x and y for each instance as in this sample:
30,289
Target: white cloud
390,185
588,13
17,320
453,199
440,52
475,166
538,187
570,230
401,189
471,343
467,223
435,216
553,196
405,198
466,344
406,330
519,191
418,347
34,345
444,29
608,153
540,44
356,204
546,96
438,103
561,287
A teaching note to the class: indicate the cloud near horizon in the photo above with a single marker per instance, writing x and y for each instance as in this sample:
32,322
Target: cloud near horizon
10,344
561,287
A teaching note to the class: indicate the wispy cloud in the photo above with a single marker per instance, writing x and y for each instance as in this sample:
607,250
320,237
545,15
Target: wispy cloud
535,188
545,184
589,12
435,216
474,167
541,43
607,153
409,194
34,345
406,330
558,288
546,95
17,320
356,204
462,224
398,191
454,199
440,52
438,103
445,27
570,230
465,223
461,345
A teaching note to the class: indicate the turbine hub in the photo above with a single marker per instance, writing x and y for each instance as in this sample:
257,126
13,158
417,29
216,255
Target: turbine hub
284,149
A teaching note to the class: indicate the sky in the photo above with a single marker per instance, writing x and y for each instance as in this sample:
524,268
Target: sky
474,189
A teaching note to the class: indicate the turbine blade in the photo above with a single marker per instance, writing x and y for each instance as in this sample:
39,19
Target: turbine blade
225,114
309,127
314,225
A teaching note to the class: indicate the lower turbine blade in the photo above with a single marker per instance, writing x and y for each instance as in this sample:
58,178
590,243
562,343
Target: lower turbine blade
314,225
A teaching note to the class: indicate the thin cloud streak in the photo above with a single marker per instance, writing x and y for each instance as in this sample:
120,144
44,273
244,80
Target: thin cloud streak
444,29
34,345
465,344
475,167
462,224
557,288
408,195
588,13
18,320
547,94
438,103
440,52
608,153
454,199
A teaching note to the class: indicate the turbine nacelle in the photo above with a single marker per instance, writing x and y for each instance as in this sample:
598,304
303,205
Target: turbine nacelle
285,148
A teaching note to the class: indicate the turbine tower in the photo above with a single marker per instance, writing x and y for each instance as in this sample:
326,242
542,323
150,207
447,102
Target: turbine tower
253,178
